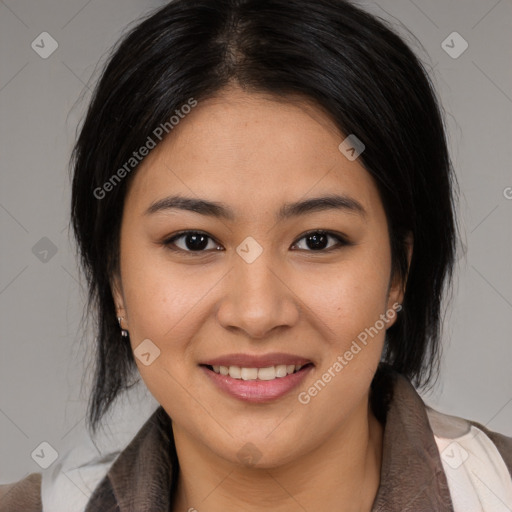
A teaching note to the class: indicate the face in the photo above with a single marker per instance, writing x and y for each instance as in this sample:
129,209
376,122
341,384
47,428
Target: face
267,284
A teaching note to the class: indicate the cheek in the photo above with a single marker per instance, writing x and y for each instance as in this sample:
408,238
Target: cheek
159,293
166,305
350,296
349,307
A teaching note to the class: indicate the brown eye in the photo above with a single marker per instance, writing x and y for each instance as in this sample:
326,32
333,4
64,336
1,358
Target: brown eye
191,241
319,241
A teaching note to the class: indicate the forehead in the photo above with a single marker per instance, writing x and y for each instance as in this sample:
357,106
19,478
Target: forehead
251,149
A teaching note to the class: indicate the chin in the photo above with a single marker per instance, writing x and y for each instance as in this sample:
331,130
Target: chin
258,452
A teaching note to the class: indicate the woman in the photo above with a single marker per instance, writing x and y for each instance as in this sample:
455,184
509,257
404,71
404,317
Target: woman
263,204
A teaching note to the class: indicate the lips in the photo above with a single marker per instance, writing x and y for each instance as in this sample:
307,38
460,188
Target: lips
257,378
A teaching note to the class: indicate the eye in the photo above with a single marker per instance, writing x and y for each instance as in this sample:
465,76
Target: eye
319,240
198,242
193,241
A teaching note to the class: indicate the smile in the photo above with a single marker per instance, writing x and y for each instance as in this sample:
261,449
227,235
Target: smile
268,373
257,384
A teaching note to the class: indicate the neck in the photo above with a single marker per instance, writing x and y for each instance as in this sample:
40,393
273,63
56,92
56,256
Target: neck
342,474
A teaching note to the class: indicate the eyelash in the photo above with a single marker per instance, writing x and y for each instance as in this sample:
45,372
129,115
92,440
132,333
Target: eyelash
169,242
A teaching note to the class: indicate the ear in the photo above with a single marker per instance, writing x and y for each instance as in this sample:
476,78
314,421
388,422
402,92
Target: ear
117,294
398,283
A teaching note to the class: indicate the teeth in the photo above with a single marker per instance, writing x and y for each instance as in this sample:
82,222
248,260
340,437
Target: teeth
269,373
248,373
235,372
281,370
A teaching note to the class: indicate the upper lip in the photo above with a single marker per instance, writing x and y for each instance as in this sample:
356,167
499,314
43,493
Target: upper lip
257,361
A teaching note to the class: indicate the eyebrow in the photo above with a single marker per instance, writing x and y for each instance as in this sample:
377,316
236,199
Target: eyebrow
288,210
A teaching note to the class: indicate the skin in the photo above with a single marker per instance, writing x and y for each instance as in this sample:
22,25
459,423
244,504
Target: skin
254,153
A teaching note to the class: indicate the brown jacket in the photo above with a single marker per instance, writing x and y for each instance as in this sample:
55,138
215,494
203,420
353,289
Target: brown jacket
412,475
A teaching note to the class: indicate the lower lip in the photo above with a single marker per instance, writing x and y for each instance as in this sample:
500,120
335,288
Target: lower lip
257,391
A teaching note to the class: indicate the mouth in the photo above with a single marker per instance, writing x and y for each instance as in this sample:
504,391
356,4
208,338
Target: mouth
263,374
254,379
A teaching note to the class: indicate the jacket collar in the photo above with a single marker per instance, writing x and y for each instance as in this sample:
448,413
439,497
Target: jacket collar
412,476
139,478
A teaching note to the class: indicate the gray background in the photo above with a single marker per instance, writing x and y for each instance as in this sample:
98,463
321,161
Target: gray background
42,356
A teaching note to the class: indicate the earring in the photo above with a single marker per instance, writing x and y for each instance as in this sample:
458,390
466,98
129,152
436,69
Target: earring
124,332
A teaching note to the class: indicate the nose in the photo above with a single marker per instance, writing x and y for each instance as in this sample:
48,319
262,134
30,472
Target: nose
259,298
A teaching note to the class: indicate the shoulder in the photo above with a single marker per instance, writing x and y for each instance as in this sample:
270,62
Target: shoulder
476,461
23,495
471,433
